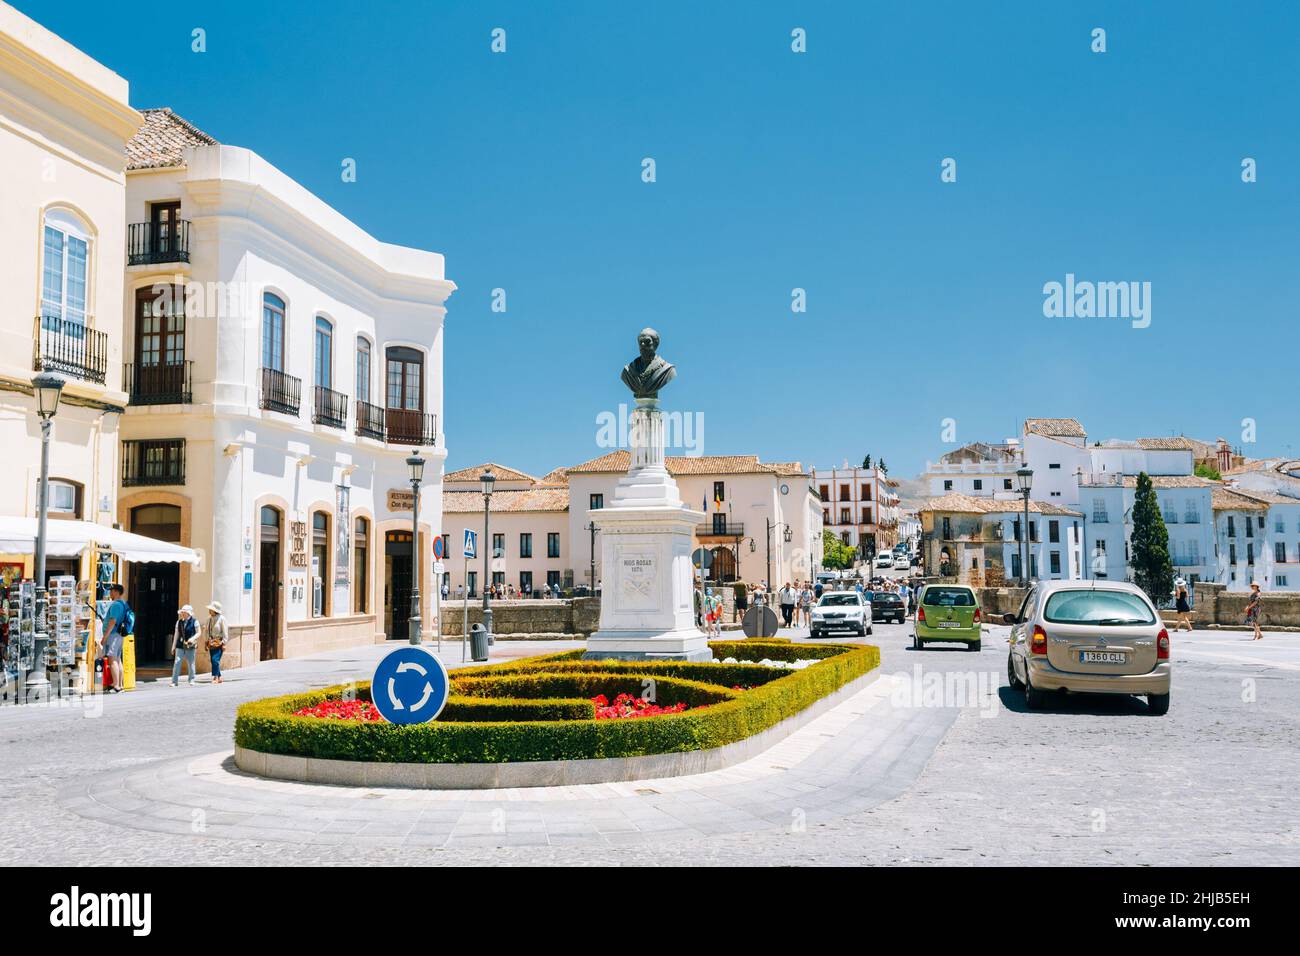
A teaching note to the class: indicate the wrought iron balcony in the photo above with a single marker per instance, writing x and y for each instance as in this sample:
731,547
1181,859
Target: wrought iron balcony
408,427
148,243
329,407
69,348
158,384
280,392
730,529
153,462
370,420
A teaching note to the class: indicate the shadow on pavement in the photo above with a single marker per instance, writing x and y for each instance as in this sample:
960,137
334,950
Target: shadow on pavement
1098,705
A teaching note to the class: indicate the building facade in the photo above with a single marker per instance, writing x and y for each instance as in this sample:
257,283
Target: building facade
64,125
1256,539
280,366
980,541
859,504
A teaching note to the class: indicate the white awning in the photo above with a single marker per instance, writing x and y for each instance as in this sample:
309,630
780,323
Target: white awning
69,538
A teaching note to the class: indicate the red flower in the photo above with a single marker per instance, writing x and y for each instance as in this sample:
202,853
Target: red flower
341,710
625,705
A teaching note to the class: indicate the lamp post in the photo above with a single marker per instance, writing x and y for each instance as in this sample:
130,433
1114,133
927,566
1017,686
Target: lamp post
415,468
47,389
488,481
591,526
1025,482
787,535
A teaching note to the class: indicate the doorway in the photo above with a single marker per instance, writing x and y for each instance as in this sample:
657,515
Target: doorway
397,584
154,593
269,585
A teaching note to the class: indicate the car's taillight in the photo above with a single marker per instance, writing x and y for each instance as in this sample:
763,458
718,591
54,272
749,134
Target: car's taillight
977,615
1162,645
1038,643
920,614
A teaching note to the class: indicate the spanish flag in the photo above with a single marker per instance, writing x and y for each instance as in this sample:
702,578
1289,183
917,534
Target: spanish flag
717,501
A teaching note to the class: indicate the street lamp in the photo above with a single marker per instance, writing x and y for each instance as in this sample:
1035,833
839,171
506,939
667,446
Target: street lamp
47,389
1025,482
591,526
786,536
488,481
415,469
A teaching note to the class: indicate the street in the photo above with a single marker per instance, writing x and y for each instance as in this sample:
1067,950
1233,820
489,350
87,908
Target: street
938,761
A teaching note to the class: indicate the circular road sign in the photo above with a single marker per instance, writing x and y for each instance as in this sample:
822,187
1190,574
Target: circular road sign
759,621
702,558
439,549
410,686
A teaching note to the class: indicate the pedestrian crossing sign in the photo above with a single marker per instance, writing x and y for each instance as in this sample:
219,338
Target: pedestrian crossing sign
471,543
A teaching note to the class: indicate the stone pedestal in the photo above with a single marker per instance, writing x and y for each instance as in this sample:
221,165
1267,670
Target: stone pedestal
647,598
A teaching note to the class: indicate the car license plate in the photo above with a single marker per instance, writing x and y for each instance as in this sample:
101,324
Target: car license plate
1102,657
949,624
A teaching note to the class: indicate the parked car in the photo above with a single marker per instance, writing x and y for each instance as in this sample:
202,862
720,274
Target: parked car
841,611
884,560
888,606
947,612
1104,637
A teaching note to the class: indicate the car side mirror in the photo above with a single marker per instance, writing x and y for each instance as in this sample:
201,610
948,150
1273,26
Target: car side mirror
1010,619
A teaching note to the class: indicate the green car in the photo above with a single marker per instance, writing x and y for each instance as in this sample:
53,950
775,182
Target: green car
947,612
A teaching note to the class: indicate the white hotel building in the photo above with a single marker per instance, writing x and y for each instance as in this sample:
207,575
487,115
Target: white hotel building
280,365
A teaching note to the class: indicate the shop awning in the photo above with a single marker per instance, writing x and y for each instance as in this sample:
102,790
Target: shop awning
69,538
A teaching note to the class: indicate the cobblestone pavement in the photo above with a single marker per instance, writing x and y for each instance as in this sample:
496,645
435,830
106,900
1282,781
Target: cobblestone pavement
907,772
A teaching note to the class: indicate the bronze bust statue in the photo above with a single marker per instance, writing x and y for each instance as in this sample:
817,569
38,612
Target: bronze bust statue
647,373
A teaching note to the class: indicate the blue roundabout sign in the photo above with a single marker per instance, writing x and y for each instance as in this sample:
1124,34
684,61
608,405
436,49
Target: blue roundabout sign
410,686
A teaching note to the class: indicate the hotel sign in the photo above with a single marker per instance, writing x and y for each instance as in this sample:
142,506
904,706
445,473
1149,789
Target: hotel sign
400,500
298,544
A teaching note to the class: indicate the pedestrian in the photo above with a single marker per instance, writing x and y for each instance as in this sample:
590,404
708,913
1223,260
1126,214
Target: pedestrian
742,599
446,590
1252,611
185,640
118,623
1182,606
218,634
805,605
460,592
699,608
786,598
817,590
712,613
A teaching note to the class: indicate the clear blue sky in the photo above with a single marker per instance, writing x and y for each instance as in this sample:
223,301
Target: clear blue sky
777,171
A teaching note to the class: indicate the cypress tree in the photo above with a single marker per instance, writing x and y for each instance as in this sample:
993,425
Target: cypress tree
1153,571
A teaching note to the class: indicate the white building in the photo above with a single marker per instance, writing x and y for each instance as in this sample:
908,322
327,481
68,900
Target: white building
981,541
1257,539
859,504
281,365
980,469
64,124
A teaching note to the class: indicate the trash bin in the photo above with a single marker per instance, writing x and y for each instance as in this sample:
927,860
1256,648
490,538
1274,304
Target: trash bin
478,643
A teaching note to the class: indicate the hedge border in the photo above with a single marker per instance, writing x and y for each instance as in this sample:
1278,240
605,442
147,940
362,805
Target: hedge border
268,725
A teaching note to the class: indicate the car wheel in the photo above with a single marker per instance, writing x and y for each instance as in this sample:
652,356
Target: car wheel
1035,699
917,644
1158,704
816,633
973,646
1012,679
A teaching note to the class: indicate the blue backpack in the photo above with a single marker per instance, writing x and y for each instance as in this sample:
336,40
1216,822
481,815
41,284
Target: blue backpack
127,624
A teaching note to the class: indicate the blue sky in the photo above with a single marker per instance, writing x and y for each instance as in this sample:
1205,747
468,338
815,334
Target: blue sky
778,170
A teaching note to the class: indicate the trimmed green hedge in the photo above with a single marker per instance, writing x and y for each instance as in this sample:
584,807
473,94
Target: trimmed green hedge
481,710
270,727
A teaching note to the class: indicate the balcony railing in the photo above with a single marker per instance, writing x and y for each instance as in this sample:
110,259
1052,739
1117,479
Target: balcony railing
408,427
153,462
148,243
370,420
730,529
280,392
158,384
329,407
70,348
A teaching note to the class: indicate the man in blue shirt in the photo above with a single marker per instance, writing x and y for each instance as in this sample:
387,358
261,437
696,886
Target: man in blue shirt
114,625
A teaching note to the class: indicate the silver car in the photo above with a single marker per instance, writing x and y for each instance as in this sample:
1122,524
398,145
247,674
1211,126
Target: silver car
1089,637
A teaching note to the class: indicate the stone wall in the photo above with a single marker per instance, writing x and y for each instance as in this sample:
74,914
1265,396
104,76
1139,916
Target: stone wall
1216,606
576,616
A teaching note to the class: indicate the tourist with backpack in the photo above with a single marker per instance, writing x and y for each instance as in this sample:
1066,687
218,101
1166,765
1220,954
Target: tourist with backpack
118,623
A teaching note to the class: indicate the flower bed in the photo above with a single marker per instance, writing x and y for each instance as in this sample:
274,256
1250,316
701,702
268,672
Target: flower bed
541,708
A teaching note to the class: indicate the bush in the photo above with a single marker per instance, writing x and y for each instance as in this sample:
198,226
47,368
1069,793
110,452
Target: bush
480,710
270,727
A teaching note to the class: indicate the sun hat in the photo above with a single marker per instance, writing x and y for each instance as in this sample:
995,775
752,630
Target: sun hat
187,609
215,606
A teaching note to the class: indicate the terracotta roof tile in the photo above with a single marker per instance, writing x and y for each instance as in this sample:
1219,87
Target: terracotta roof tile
507,502
1225,500
162,139
501,472
969,504
1170,443
1055,427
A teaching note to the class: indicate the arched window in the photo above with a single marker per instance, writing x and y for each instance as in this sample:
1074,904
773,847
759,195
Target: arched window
64,270
324,365
405,378
272,332
361,567
363,369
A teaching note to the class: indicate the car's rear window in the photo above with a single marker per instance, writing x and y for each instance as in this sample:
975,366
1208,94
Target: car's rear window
885,596
838,600
1103,608
948,597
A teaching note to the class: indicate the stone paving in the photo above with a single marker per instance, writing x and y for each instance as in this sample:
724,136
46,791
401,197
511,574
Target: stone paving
889,776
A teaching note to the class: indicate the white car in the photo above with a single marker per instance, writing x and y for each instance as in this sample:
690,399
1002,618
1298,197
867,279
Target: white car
841,611
884,560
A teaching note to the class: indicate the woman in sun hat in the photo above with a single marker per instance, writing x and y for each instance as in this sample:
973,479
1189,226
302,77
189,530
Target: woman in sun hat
185,640
1182,605
1252,611
217,636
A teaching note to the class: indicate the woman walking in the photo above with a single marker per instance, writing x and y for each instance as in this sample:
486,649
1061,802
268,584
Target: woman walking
1182,606
1252,611
217,635
185,641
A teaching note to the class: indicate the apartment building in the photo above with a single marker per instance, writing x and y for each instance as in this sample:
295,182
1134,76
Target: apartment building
859,504
980,541
280,366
